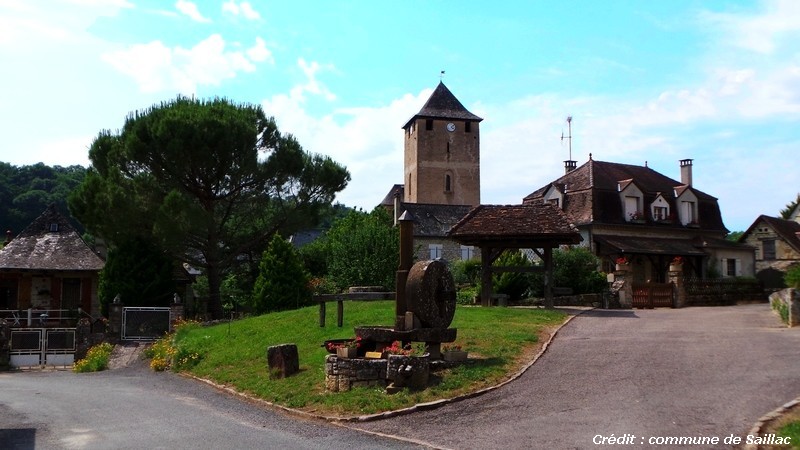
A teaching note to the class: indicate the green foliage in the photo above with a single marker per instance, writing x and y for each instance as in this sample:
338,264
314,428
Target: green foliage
140,273
209,181
282,281
792,277
466,295
791,430
787,211
734,236
26,191
315,257
96,359
363,250
466,271
514,284
782,309
576,268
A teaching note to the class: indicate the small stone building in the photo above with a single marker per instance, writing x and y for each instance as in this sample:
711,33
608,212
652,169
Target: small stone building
49,266
777,244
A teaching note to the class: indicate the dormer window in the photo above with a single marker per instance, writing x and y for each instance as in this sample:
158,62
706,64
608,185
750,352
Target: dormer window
53,227
631,198
659,209
633,208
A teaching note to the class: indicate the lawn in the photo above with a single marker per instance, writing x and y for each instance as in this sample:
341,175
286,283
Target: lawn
787,426
500,341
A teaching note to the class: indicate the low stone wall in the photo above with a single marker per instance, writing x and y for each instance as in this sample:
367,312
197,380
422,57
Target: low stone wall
343,374
786,304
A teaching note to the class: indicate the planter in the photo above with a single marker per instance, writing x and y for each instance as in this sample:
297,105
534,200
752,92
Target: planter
676,267
346,352
455,355
623,267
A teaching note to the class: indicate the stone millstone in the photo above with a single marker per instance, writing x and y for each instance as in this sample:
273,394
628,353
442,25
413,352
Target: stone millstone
283,360
431,293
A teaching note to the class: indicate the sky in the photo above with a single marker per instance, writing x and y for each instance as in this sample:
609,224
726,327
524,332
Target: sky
645,83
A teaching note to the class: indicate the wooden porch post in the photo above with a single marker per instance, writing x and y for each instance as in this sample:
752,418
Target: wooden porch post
486,276
548,278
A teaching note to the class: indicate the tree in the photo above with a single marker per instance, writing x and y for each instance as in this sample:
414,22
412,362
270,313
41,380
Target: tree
363,250
210,181
282,281
786,212
140,273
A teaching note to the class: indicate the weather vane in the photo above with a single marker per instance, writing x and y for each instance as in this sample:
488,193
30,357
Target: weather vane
568,137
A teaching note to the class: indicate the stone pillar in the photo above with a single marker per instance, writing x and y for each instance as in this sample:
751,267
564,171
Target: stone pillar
83,338
5,344
623,285
675,276
176,313
282,360
114,330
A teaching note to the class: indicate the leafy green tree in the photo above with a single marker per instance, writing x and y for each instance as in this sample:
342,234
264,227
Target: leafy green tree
786,212
576,268
734,236
140,273
363,250
210,181
514,284
282,281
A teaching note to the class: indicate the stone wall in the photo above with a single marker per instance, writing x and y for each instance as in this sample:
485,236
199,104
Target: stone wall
343,374
786,304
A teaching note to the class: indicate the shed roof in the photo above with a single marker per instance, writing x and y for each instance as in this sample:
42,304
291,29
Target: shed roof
788,230
515,225
50,242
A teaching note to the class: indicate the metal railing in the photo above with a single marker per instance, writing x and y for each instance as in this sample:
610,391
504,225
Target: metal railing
145,323
33,317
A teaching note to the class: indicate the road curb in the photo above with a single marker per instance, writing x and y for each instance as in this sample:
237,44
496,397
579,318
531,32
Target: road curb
768,418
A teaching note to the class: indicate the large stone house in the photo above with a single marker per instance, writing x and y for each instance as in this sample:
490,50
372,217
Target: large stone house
777,244
49,266
441,174
633,212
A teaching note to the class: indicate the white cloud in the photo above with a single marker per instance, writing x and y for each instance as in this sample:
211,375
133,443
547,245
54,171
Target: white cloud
190,9
155,67
243,8
763,32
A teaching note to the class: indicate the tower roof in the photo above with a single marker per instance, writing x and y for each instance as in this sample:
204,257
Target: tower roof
442,104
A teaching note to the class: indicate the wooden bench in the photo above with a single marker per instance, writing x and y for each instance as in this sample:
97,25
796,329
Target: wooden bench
341,298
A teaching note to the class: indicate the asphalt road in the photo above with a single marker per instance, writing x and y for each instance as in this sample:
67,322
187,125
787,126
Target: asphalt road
704,372
135,408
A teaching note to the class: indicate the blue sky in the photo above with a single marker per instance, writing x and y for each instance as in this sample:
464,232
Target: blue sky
654,82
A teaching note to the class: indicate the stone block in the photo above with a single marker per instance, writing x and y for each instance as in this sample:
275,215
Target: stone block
283,360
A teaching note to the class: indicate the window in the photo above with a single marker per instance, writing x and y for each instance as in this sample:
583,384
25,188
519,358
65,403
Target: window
554,202
768,248
660,213
633,211
731,266
428,124
447,184
53,227
468,127
467,252
435,251
688,213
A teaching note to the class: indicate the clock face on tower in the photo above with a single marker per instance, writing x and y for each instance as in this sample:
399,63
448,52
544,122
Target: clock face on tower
451,127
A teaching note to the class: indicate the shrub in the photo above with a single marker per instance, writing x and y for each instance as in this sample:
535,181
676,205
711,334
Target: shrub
466,272
514,284
792,277
165,355
96,359
466,296
282,280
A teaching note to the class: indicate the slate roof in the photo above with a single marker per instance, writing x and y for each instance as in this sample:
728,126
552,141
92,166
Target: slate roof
39,248
434,220
442,104
592,194
787,229
398,190
649,245
514,223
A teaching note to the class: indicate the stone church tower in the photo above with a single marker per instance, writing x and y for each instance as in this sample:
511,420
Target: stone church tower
442,153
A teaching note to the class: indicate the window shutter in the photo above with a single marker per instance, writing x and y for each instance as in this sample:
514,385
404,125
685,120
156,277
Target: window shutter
738,267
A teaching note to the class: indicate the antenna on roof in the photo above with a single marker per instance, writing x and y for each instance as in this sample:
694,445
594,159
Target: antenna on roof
441,75
568,136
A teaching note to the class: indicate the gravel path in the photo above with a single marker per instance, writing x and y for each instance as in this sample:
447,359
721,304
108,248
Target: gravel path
648,373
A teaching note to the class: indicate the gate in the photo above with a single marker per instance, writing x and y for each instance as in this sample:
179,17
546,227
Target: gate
42,347
144,323
653,295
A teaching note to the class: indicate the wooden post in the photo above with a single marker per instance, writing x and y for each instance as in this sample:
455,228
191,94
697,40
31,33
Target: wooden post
406,221
322,314
486,276
548,278
339,313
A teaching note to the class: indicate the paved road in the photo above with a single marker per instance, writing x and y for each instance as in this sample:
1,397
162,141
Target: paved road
135,408
648,373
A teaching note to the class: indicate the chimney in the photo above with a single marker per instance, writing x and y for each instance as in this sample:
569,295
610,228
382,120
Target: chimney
569,166
686,171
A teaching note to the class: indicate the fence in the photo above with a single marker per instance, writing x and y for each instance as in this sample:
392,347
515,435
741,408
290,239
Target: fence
653,295
41,317
723,291
42,347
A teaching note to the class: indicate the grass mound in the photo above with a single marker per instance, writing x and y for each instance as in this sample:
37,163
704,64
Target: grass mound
499,341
